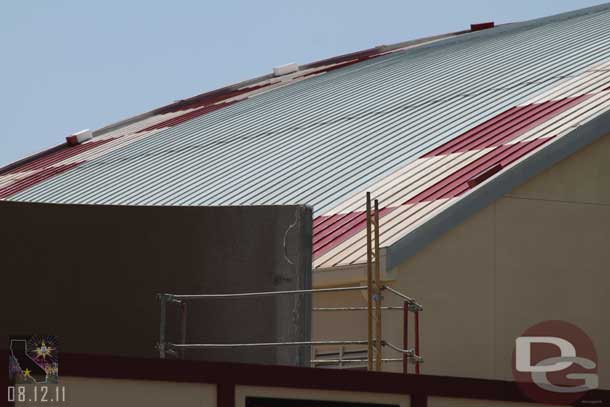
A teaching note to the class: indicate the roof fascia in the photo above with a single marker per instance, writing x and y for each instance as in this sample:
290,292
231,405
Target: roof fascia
351,274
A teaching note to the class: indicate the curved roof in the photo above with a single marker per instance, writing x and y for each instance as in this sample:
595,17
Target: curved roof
421,125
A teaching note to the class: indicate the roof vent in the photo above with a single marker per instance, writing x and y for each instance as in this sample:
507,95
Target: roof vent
481,26
285,69
484,175
79,138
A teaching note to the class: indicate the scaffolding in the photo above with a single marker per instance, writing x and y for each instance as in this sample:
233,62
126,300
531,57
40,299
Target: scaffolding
372,355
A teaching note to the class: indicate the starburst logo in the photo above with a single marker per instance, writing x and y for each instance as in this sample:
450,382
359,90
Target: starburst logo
33,359
43,351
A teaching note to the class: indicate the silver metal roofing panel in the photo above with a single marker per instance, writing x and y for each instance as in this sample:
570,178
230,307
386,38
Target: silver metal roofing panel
324,139
320,139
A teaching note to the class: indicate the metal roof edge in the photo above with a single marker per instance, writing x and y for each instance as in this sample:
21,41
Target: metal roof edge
339,276
355,273
497,187
565,15
509,27
423,43
30,157
253,81
439,40
418,44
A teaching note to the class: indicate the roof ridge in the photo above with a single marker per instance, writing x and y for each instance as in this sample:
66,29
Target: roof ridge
439,40
507,28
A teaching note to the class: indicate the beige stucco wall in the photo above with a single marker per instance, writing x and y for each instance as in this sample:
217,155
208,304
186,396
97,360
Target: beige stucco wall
541,252
343,325
451,402
96,392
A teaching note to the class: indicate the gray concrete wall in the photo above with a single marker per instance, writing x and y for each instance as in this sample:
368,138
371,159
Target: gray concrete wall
90,275
541,252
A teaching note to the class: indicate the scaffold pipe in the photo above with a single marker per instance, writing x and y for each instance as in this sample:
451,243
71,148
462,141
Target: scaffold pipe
261,344
180,297
337,361
410,300
388,308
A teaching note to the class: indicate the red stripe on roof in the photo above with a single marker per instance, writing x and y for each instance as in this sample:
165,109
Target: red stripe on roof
457,182
323,218
203,104
34,179
335,229
56,156
219,95
207,99
343,231
341,65
331,230
187,116
359,56
335,224
484,175
506,126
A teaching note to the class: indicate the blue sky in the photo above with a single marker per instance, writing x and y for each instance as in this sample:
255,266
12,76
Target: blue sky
70,65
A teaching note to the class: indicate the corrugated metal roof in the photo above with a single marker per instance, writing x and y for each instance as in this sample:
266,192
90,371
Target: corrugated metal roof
436,180
420,127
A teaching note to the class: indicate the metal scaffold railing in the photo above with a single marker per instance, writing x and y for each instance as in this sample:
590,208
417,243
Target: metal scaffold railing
372,355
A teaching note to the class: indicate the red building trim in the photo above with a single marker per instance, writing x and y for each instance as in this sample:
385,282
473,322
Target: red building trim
225,395
229,375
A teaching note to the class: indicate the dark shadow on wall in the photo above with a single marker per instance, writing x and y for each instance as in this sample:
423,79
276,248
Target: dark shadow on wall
90,275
